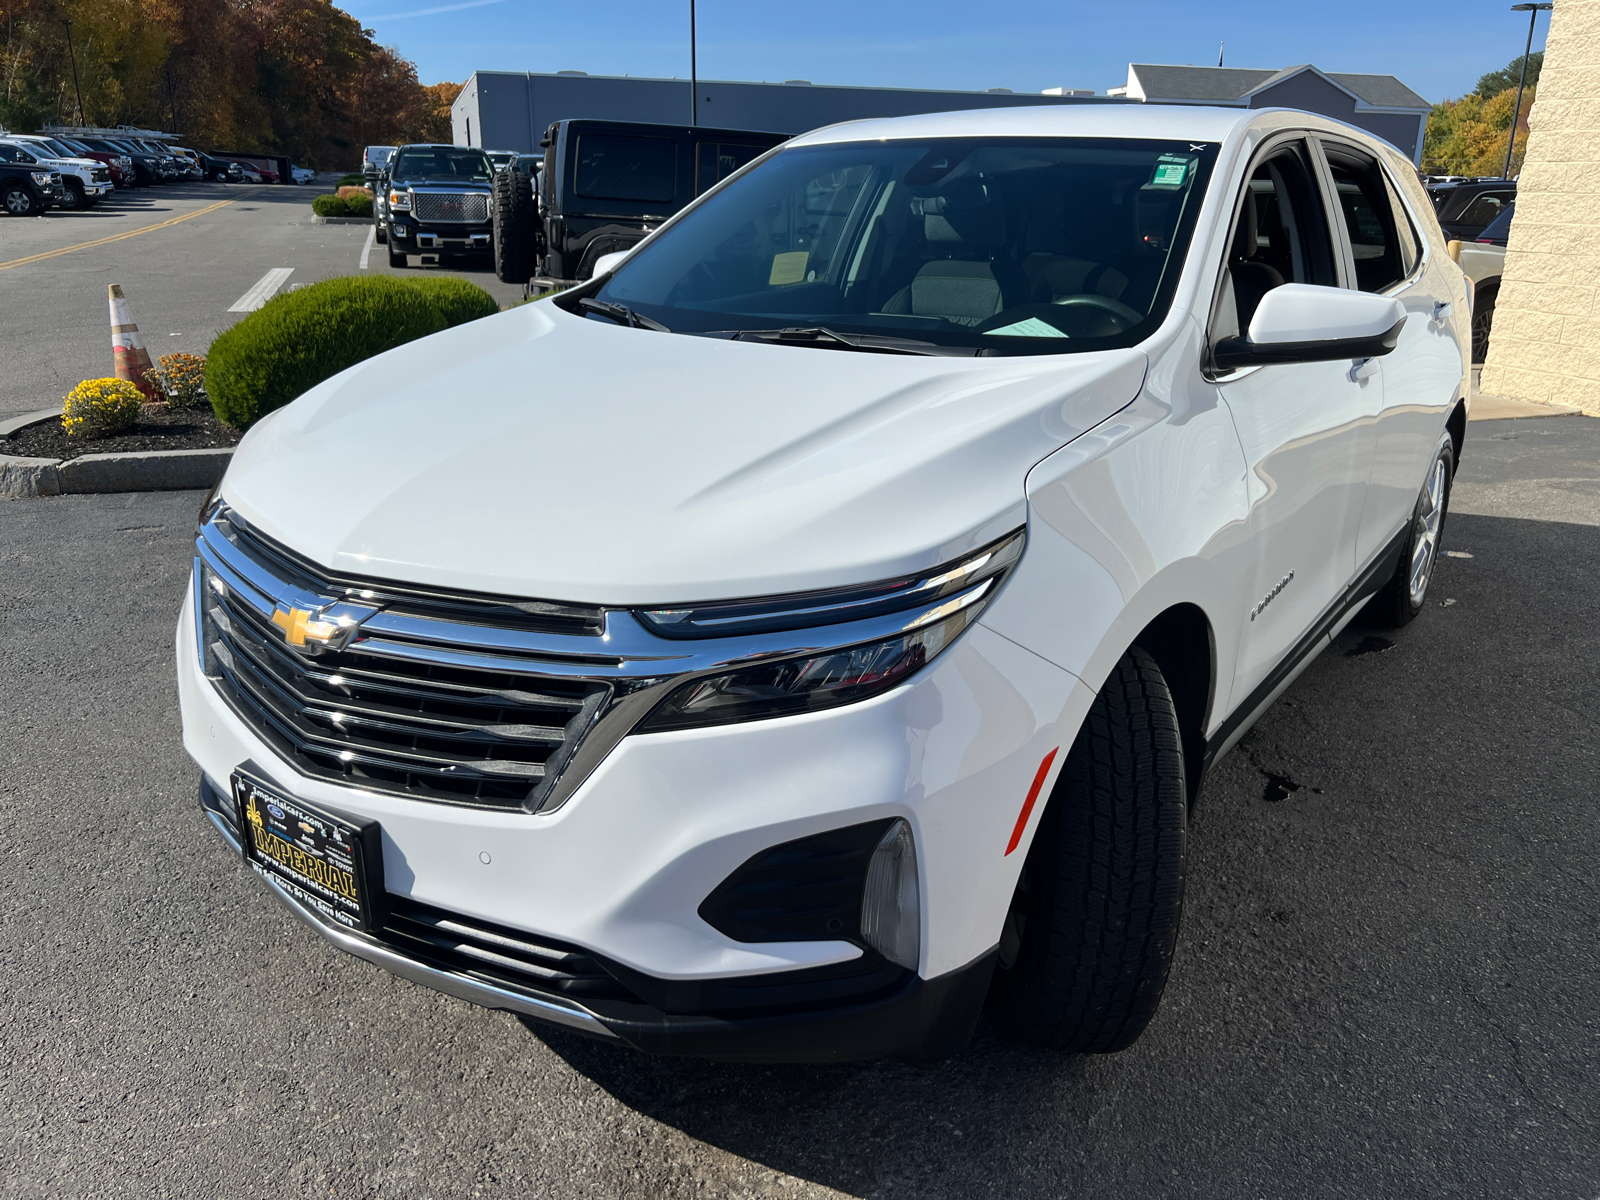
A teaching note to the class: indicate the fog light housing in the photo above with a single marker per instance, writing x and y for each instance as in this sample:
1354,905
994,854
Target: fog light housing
891,916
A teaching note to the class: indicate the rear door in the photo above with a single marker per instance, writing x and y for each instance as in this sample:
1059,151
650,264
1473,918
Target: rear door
1306,428
1384,254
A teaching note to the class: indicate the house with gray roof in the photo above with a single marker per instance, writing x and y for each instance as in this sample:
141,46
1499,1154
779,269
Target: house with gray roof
1380,104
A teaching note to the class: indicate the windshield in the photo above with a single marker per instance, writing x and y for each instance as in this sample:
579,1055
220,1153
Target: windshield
441,162
56,148
999,245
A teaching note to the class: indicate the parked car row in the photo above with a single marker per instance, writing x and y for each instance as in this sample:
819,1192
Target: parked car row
77,170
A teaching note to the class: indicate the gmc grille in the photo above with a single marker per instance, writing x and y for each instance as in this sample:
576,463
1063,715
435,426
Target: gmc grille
463,207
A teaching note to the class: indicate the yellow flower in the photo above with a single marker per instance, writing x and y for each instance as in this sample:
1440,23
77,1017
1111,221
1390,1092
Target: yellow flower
100,408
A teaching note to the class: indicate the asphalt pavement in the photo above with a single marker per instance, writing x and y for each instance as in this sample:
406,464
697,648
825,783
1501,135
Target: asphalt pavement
1385,987
185,254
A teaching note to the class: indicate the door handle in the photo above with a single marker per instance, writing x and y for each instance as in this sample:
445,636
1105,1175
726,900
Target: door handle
1365,368
1441,309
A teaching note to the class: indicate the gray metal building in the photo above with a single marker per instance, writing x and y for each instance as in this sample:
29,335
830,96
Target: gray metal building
510,110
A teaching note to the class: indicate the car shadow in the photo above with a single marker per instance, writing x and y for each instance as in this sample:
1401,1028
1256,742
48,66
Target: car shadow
1378,964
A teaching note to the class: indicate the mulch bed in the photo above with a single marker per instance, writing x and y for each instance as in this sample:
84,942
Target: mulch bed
178,429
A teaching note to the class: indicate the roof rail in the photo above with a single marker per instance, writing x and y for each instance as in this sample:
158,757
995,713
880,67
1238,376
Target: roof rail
118,131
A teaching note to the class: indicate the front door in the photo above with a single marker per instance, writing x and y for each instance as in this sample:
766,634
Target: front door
1306,428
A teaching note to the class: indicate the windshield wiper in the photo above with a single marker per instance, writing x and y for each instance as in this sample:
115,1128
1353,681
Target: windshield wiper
621,314
832,339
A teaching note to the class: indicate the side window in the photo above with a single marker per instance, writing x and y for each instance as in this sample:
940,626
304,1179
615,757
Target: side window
1484,208
7,154
618,167
1368,219
1279,236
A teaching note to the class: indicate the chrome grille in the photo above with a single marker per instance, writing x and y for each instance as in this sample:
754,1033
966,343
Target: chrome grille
392,716
464,207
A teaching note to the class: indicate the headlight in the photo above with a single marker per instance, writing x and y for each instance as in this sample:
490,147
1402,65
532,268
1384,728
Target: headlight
399,200
41,177
936,607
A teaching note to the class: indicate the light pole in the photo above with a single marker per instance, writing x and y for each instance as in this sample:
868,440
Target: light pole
72,54
1533,11
694,82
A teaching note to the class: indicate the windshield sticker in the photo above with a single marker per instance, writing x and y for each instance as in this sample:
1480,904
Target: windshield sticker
788,268
1171,170
1032,327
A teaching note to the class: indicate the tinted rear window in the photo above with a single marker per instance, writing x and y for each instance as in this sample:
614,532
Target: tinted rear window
613,167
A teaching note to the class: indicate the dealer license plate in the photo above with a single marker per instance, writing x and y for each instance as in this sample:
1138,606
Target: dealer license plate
321,860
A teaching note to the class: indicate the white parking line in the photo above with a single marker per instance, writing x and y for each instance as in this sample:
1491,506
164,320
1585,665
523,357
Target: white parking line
372,236
266,287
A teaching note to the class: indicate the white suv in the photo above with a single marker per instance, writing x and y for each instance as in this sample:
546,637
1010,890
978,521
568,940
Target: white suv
813,632
85,181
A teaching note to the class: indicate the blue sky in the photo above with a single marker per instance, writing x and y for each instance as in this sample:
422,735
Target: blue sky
1024,45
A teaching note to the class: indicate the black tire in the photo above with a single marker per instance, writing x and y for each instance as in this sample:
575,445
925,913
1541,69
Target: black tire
73,197
18,201
1482,321
397,259
382,235
514,216
1399,602
1088,943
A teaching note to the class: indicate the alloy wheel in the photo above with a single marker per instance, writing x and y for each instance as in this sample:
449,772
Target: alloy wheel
1425,539
18,202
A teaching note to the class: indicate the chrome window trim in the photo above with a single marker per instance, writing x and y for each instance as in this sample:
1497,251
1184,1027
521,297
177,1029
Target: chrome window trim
641,667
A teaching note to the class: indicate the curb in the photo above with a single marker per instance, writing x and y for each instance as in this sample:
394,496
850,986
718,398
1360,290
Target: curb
138,471
319,220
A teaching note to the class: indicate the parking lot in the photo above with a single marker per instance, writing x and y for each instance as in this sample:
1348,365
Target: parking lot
185,254
1384,987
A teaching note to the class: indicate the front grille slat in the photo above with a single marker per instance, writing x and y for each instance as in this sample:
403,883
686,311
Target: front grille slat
496,953
486,730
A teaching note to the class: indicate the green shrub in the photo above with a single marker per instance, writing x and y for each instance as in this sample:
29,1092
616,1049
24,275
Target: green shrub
352,181
300,338
358,206
328,206
457,300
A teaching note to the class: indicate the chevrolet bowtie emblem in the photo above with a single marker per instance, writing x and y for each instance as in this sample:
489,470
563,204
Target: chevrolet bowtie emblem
299,624
329,627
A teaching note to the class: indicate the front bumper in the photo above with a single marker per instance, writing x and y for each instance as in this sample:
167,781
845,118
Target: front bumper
619,871
436,238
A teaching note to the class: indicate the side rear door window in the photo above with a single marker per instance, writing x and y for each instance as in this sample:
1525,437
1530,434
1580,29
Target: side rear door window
1368,217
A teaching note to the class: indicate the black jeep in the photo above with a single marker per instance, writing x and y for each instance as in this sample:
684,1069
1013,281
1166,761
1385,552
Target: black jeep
438,202
603,186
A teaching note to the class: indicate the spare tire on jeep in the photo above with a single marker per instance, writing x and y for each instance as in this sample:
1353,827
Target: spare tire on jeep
514,216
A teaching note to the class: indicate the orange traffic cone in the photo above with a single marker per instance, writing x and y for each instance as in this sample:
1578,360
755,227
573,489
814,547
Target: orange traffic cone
127,347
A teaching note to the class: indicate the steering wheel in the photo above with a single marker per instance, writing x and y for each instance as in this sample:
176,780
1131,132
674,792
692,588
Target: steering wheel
1123,316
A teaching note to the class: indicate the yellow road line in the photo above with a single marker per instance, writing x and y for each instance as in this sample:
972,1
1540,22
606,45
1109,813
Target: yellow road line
117,237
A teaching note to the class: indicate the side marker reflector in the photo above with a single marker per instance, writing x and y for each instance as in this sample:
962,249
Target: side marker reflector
1027,805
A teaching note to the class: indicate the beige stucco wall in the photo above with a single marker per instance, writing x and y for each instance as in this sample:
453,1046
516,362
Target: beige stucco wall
1545,343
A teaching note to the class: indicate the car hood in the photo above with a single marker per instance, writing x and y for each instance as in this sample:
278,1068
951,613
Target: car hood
539,454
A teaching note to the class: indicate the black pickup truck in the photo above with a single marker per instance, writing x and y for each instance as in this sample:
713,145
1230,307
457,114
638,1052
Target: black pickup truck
29,189
603,186
438,202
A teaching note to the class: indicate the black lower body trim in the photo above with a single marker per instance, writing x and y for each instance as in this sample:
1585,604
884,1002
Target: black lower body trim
1365,585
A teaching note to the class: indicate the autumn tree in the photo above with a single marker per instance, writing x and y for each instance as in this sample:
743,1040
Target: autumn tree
1468,136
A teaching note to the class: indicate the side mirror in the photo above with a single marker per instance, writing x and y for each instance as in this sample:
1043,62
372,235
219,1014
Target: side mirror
1303,323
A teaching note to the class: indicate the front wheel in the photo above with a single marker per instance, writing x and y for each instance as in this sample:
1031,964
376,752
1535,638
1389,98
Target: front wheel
1403,596
382,236
18,201
1087,945
397,259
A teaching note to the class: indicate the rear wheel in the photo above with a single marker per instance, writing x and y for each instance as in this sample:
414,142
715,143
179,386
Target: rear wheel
1482,320
514,215
1406,592
1088,942
18,200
